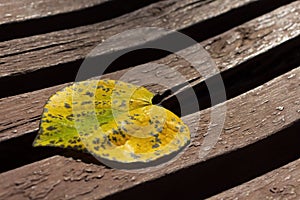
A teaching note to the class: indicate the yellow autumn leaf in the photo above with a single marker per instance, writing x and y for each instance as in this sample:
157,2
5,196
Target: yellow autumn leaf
112,120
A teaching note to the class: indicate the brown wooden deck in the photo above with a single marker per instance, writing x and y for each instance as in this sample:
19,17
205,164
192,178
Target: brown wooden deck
255,45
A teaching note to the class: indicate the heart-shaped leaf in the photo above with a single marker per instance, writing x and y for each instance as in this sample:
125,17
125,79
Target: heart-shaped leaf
112,120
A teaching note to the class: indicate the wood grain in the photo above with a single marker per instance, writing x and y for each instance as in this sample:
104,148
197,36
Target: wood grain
261,126
20,114
21,56
25,18
282,183
251,117
16,11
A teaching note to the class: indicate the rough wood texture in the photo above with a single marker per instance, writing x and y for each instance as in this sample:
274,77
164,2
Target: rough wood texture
282,183
25,55
251,117
24,18
16,11
261,130
20,114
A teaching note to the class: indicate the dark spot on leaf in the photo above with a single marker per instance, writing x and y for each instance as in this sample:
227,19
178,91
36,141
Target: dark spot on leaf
86,102
105,89
70,117
67,105
96,141
103,123
159,130
51,128
52,116
182,128
90,94
124,129
72,141
157,140
114,138
123,104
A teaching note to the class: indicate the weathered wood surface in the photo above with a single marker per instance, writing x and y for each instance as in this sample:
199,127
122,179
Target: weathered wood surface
251,117
261,127
21,113
282,183
26,18
21,56
16,11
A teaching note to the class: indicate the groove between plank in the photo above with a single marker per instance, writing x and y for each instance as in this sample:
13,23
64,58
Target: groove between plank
252,117
59,54
46,16
17,119
282,183
83,39
14,11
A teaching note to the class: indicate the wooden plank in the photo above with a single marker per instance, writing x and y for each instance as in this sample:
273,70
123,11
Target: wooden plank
29,54
251,117
31,17
16,11
20,114
282,183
